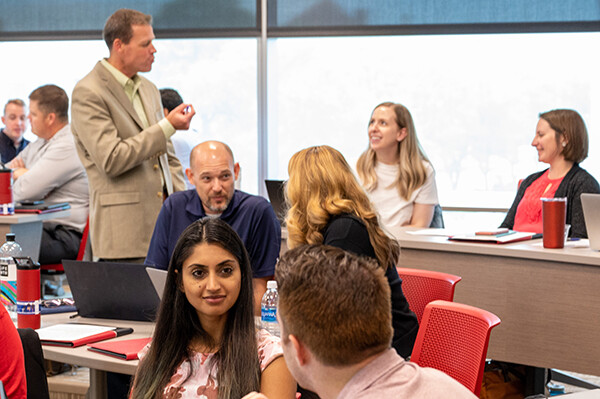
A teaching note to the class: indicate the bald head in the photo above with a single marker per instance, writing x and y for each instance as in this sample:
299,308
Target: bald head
211,149
213,172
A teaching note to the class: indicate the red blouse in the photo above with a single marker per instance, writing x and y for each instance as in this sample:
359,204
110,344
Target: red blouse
529,211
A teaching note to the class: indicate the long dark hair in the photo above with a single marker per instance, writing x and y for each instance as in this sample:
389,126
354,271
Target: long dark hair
238,370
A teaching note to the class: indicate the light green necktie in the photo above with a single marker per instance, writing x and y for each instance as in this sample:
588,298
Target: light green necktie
131,89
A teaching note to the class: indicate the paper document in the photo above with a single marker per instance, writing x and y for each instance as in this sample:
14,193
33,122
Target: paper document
432,232
70,332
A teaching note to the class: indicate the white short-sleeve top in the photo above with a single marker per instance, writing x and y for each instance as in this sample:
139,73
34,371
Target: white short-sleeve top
394,211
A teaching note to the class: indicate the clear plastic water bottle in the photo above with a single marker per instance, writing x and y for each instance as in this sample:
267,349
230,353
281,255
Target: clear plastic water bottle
8,274
268,309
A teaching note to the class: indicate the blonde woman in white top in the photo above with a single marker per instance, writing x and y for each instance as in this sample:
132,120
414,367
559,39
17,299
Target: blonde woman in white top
395,172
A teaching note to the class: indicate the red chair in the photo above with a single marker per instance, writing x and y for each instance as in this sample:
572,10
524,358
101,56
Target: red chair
58,267
454,338
423,286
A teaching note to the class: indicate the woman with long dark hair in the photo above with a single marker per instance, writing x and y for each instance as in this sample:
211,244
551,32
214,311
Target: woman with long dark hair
205,344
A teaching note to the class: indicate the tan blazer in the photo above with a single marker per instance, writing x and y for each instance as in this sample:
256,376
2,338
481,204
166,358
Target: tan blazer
121,161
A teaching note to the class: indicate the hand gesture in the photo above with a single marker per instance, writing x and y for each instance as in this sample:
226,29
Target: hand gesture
181,116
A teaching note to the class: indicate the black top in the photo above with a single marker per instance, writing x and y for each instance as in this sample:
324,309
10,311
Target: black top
350,234
575,182
7,148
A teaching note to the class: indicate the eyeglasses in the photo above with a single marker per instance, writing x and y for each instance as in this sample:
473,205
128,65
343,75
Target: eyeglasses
54,303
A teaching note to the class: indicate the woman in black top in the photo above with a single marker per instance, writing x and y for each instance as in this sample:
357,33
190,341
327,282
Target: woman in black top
328,206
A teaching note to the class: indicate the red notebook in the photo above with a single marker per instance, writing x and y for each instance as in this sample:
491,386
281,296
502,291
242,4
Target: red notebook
127,349
41,208
76,334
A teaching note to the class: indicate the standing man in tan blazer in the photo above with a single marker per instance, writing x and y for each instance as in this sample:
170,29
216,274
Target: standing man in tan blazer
123,140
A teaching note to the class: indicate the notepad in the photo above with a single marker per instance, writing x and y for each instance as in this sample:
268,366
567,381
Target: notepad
125,349
502,238
77,334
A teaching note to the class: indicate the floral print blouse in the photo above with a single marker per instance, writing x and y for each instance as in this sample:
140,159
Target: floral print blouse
203,383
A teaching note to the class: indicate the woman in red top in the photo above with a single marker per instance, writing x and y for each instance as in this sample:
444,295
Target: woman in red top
561,140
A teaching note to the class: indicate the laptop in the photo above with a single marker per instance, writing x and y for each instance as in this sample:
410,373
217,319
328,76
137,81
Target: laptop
112,290
158,278
591,215
277,197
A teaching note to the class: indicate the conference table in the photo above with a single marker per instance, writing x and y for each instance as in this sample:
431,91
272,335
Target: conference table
27,228
97,363
548,299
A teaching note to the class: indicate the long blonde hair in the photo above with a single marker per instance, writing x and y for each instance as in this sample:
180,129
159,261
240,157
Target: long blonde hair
322,185
412,174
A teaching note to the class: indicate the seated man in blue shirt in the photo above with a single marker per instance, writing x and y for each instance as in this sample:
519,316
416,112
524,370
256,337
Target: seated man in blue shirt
213,172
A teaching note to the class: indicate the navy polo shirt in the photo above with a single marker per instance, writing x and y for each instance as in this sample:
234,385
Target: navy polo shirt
251,216
7,148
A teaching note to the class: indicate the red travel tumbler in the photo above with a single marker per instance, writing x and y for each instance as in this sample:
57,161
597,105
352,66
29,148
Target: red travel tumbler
7,205
554,212
28,293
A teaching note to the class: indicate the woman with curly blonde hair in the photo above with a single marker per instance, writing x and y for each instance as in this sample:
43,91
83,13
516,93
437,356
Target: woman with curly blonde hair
328,206
395,171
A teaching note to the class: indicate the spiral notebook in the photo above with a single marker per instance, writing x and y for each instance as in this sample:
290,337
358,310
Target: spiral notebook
503,238
78,334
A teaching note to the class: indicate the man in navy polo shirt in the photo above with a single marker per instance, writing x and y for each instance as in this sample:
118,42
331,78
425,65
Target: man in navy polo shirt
213,172
12,141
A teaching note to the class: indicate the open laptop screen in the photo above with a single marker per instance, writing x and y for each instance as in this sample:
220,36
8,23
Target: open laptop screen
277,198
112,290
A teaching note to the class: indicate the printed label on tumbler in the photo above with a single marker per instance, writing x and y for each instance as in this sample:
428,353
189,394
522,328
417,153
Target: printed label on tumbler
28,307
7,209
268,315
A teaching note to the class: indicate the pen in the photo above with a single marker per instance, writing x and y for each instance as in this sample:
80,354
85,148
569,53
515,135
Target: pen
506,234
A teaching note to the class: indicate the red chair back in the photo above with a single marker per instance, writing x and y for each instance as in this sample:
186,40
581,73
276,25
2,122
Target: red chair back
454,338
58,267
423,286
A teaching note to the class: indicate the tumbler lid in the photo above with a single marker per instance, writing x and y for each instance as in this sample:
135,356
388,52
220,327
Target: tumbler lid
26,263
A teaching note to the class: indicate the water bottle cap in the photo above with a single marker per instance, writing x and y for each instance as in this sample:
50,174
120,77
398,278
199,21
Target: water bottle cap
10,236
272,284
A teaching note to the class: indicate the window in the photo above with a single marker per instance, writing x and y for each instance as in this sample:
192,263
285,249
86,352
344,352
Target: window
218,76
475,100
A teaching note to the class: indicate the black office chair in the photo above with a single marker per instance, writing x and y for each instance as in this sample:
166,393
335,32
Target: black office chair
438,219
37,384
